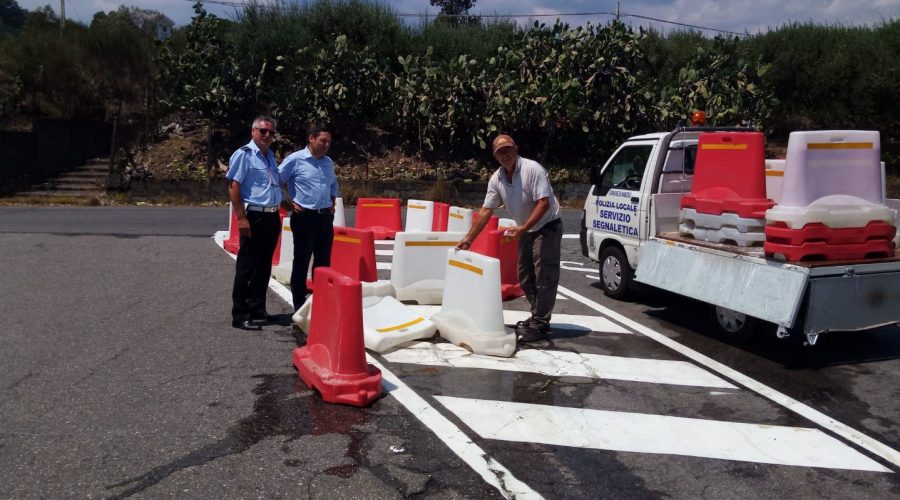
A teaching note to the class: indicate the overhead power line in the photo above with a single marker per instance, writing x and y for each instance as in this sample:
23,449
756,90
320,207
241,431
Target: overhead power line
576,14
528,16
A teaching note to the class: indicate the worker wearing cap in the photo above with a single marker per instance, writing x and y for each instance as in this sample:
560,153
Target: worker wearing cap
255,191
523,186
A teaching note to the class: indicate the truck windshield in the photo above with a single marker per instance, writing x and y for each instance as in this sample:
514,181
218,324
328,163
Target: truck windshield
626,169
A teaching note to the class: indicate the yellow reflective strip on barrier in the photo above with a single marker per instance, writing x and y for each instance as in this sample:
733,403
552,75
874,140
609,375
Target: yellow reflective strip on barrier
423,207
456,216
287,228
347,239
431,243
775,173
840,145
723,146
399,327
377,205
467,267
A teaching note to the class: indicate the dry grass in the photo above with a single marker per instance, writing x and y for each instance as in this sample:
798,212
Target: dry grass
443,191
76,201
893,186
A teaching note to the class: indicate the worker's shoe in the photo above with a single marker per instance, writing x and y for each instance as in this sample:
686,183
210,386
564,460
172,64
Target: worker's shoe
523,323
245,325
532,332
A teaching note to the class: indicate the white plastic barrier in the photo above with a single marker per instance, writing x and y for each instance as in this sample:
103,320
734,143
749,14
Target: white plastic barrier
472,312
692,219
417,268
895,205
302,315
727,235
387,323
774,179
282,272
339,219
459,220
832,177
419,216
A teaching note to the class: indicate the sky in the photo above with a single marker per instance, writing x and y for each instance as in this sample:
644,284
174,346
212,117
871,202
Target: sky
740,16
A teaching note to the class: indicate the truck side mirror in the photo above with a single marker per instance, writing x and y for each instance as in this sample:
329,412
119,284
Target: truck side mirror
595,174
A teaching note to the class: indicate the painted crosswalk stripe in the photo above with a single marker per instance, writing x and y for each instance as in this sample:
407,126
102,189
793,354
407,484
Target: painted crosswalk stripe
385,242
660,434
384,252
850,434
383,266
560,321
562,364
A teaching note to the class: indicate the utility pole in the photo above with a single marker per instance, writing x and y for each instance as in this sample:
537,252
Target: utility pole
618,4
62,15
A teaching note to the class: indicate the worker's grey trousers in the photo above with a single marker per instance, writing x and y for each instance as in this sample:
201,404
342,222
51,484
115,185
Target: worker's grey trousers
539,254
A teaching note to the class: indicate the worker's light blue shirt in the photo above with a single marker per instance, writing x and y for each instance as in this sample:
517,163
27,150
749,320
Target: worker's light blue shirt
257,174
311,182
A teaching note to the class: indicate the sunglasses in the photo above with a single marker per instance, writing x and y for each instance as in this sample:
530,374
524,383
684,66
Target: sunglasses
265,131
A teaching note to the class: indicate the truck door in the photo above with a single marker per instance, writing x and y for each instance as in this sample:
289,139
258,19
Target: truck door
613,209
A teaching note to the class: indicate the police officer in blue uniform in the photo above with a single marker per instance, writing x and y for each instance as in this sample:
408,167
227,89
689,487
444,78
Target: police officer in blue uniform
254,188
310,183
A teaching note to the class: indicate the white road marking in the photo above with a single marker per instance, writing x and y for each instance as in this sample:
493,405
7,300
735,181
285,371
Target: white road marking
588,324
562,364
493,472
385,242
817,417
383,266
662,434
384,252
570,236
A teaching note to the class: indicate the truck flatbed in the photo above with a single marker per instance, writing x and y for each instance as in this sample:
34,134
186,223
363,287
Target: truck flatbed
757,252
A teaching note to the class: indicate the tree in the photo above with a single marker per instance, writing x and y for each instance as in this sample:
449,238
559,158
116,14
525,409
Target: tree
453,7
12,17
455,11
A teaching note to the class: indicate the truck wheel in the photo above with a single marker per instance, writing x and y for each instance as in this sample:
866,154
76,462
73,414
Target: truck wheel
615,273
732,325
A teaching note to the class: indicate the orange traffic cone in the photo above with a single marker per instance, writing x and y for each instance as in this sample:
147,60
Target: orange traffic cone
333,361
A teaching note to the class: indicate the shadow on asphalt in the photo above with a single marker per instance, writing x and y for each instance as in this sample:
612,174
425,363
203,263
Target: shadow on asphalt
832,349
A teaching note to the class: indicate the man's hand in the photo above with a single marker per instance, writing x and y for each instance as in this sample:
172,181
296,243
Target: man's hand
297,209
244,226
514,232
463,244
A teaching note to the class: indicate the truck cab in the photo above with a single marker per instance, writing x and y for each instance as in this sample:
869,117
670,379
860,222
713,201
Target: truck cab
616,218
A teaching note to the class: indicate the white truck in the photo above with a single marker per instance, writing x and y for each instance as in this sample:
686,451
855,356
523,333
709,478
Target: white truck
630,226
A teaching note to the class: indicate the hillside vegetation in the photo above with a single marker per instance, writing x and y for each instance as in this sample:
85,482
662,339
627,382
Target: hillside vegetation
439,91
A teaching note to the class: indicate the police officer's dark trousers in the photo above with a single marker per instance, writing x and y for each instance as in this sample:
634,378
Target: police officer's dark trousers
254,265
313,232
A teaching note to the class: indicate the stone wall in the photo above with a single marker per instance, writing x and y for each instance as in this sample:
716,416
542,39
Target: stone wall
467,194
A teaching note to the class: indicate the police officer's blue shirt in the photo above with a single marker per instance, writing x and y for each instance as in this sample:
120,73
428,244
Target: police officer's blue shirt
257,174
311,182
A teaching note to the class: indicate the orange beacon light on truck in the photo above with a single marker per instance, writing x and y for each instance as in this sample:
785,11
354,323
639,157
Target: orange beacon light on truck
698,118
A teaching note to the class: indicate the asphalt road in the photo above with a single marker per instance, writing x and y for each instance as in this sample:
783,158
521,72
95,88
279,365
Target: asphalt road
122,377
